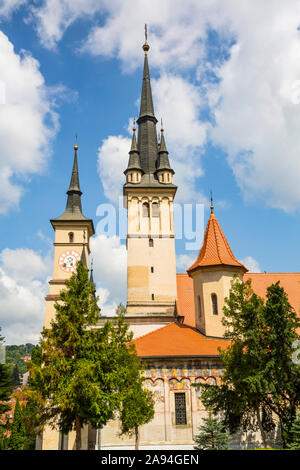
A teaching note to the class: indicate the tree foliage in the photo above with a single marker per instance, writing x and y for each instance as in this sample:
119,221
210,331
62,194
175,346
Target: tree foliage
260,379
137,407
18,437
295,434
212,435
83,373
5,392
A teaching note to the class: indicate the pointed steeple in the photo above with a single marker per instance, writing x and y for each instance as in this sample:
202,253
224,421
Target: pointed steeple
215,250
134,156
73,209
163,154
92,282
147,139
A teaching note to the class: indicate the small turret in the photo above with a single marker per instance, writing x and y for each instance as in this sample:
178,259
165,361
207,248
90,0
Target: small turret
164,171
134,170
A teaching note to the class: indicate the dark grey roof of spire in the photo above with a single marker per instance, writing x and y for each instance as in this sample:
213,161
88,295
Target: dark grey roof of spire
147,138
163,158
147,144
73,209
134,157
83,257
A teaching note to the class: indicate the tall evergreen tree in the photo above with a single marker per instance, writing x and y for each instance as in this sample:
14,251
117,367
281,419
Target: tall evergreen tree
295,434
252,388
18,437
137,406
5,391
212,435
83,373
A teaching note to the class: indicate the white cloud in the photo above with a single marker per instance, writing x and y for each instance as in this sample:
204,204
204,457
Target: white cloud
183,262
254,103
251,264
112,161
109,258
27,121
23,287
7,7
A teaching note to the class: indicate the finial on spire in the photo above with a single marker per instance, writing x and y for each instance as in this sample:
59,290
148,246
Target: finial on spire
76,146
161,125
146,46
211,203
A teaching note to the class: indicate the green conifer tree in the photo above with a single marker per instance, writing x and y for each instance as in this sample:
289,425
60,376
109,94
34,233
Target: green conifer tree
295,435
18,437
5,391
83,374
212,435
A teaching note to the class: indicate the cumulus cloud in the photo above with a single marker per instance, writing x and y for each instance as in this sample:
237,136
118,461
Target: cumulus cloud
251,264
28,120
243,57
23,286
109,258
183,262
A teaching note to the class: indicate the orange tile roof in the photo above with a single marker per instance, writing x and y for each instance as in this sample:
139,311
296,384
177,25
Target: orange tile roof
289,281
176,339
260,281
215,249
185,299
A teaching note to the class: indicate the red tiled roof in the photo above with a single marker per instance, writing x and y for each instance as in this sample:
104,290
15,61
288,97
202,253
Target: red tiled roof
289,281
215,249
177,339
185,299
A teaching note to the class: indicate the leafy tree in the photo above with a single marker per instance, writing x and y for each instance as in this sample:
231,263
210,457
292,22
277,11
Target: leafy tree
283,375
18,437
83,373
212,435
295,435
5,391
260,379
138,404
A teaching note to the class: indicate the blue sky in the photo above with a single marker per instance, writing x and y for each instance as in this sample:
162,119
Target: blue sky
225,80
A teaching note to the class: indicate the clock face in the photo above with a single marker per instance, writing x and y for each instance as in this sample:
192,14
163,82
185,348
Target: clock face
68,260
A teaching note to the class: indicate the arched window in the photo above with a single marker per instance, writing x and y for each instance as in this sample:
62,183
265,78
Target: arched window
214,302
151,242
71,237
155,209
162,177
145,209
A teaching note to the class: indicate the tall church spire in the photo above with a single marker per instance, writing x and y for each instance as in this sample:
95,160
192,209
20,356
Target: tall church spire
73,209
147,138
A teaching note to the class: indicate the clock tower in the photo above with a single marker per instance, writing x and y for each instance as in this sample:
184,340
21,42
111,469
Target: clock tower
72,234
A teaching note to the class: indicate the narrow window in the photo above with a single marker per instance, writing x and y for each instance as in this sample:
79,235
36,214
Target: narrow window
145,209
155,209
151,242
214,301
180,409
162,177
199,306
152,269
152,296
71,237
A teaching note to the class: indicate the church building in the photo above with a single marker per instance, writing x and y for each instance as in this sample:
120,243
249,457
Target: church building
176,318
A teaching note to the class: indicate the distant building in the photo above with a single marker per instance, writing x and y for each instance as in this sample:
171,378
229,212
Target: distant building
2,353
